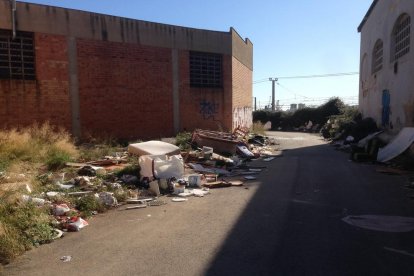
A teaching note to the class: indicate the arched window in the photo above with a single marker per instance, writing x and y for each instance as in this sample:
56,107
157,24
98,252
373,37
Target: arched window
401,37
377,56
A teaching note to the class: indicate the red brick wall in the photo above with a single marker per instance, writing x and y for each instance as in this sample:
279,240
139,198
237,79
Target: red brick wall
205,108
46,99
125,90
242,94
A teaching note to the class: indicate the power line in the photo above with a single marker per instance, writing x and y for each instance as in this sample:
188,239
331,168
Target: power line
312,76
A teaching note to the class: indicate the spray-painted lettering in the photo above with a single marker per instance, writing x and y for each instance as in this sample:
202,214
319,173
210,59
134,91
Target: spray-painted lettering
208,109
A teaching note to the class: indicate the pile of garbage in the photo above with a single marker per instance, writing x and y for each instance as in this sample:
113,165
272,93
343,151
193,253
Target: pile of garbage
216,160
163,173
380,146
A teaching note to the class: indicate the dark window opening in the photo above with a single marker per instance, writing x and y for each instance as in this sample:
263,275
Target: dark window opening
206,70
401,37
17,56
377,57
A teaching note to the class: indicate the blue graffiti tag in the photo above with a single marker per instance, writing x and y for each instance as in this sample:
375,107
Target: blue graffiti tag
208,109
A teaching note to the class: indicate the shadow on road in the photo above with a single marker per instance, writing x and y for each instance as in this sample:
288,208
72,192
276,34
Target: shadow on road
293,226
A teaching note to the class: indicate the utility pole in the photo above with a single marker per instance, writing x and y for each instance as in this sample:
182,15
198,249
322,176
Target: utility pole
255,105
273,80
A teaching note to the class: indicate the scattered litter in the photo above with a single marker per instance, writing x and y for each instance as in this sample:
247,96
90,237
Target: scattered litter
156,202
179,189
194,180
108,199
58,235
148,215
138,201
79,193
217,184
154,188
65,186
35,200
136,207
200,168
236,182
54,194
179,199
268,159
249,177
129,179
77,224
185,194
394,224
200,192
66,259
87,171
60,209
244,152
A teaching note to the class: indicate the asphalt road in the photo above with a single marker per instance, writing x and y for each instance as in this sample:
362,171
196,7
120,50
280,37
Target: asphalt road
287,222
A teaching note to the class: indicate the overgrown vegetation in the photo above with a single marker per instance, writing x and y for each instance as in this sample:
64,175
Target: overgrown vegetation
37,145
288,121
258,128
22,226
183,140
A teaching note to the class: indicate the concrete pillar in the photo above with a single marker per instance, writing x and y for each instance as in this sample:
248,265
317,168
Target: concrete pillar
176,89
74,86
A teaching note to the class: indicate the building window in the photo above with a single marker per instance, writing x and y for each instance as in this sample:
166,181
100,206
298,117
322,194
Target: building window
206,70
401,37
17,59
377,56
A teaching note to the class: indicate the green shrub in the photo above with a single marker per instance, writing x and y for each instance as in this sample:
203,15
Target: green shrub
87,204
182,140
23,226
57,159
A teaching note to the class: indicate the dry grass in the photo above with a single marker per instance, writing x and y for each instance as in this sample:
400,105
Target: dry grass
35,145
258,128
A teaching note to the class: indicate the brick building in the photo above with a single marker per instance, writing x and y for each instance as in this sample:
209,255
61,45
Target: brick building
100,74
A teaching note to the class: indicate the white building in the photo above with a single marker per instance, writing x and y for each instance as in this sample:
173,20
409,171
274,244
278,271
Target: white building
386,90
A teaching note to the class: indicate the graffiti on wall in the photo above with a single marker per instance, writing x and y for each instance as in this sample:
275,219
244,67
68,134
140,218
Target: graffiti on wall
242,117
208,109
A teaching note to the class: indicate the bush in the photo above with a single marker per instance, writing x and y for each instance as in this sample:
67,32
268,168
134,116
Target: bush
289,121
87,204
57,159
182,140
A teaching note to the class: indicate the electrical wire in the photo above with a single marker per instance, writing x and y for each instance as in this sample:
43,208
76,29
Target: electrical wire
311,76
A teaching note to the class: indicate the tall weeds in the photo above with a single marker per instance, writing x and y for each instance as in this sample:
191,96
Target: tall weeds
37,145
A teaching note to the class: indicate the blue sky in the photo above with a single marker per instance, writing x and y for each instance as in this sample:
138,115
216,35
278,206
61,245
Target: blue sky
290,38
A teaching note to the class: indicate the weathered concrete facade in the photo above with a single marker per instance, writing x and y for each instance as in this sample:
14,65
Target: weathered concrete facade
101,74
386,91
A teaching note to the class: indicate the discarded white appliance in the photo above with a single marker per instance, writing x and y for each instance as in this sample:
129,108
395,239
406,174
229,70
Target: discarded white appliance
153,148
162,166
398,145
